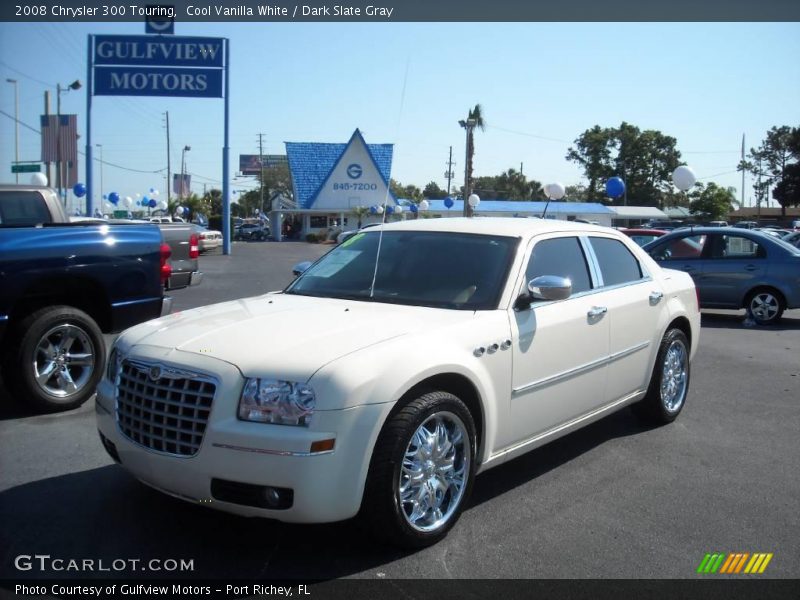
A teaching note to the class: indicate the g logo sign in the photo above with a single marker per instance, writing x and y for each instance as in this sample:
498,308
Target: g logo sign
354,171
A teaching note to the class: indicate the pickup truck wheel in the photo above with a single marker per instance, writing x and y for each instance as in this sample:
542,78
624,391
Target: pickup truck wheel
421,471
60,358
669,383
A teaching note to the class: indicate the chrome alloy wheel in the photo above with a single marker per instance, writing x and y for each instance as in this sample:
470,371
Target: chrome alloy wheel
63,361
674,376
435,471
764,306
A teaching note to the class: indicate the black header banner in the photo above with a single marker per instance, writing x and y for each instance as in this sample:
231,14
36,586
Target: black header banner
400,10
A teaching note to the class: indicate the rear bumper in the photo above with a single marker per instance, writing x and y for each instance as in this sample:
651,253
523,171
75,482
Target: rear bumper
184,279
166,305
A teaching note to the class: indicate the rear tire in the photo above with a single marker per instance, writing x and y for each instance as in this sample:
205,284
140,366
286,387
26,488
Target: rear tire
669,383
766,305
58,359
421,472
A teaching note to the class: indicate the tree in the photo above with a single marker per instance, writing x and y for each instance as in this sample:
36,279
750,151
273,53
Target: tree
576,193
645,160
360,212
773,162
713,202
474,120
432,191
277,180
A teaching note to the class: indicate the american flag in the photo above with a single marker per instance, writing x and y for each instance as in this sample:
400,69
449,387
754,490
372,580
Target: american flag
184,190
67,131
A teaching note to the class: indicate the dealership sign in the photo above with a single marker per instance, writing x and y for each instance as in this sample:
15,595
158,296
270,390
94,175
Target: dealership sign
143,65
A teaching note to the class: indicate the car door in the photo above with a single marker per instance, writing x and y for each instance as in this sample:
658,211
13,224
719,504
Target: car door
636,314
559,347
734,263
683,253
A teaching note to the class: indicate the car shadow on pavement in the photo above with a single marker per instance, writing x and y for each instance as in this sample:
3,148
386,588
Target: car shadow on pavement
737,320
104,513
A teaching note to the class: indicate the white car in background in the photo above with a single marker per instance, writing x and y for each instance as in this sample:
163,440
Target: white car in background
209,239
398,367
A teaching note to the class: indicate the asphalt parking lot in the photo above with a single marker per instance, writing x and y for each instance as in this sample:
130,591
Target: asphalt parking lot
614,500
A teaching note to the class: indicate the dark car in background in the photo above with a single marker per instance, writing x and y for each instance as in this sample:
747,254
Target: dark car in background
251,232
735,268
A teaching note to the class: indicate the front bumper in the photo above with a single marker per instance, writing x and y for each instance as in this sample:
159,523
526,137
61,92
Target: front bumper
327,486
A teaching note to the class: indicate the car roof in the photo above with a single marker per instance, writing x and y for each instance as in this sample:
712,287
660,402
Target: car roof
502,226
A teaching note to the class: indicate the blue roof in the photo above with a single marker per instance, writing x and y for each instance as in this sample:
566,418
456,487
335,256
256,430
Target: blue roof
528,208
310,164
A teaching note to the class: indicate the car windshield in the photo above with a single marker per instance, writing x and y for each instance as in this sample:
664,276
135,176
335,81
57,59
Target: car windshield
437,269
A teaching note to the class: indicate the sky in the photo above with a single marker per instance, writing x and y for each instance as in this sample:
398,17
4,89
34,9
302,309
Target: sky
540,85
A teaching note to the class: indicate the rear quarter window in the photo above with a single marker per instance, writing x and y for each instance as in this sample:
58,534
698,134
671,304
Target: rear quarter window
617,264
22,208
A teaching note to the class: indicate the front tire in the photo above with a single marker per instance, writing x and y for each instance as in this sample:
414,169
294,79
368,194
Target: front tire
58,361
421,472
669,383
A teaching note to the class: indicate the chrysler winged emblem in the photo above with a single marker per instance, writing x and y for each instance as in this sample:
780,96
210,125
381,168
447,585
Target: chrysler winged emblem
155,373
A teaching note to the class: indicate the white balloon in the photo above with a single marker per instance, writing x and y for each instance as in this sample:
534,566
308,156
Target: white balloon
127,202
474,200
398,209
424,205
380,210
683,178
162,205
154,193
555,191
38,179
138,195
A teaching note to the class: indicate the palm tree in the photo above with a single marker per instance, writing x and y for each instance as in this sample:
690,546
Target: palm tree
360,212
474,119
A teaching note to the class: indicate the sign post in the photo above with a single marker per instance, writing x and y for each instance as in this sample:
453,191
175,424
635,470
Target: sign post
175,66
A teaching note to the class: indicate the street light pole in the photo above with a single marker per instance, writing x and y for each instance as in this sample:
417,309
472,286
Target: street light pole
75,85
16,124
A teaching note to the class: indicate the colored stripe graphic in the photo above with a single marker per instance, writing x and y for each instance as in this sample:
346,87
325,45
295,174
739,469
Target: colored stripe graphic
733,562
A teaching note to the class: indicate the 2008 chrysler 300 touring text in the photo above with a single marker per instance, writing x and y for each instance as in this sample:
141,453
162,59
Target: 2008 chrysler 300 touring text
397,367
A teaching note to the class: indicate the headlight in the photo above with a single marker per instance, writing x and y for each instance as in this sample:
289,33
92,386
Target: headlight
112,368
279,402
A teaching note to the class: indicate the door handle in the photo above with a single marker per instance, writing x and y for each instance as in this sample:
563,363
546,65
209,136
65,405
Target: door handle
597,311
687,268
655,297
750,268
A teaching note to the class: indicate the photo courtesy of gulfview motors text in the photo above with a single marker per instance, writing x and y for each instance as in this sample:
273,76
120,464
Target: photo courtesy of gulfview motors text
104,591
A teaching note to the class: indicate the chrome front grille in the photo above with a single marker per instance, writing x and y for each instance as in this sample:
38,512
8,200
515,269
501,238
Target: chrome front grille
163,409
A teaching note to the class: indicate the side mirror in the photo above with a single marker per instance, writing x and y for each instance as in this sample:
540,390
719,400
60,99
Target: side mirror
301,268
546,287
550,287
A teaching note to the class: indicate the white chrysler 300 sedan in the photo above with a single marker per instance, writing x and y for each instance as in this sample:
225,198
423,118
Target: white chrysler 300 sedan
397,367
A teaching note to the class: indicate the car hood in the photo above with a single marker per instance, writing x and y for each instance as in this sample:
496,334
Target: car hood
283,335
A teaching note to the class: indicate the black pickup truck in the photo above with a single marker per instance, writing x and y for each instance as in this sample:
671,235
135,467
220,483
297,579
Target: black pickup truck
64,284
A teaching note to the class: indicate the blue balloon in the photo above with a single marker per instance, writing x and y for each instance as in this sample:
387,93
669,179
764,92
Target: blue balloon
448,202
373,210
113,197
105,196
389,210
615,187
79,190
152,203
152,190
414,208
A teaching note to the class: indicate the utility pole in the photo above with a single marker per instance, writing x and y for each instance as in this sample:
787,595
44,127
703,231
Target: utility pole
261,166
743,171
169,177
449,173
101,175
520,170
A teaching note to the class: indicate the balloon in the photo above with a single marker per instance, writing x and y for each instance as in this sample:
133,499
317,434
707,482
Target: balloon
448,202
474,200
79,190
683,178
414,208
152,190
152,203
373,210
424,205
105,196
155,192
162,205
554,191
389,210
138,195
127,202
113,197
615,187
38,179
398,209
380,210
